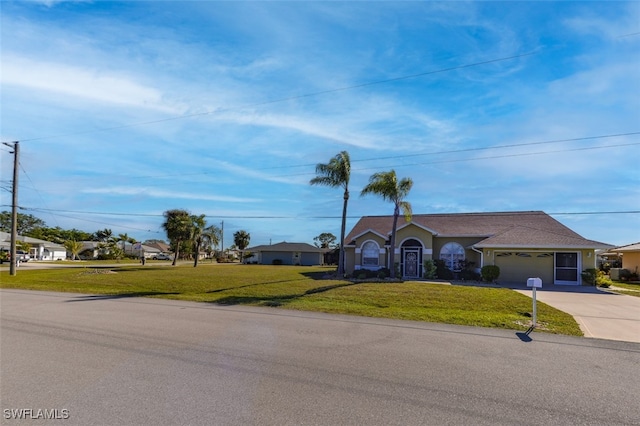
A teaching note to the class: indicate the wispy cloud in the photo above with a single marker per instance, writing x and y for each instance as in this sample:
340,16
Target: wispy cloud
82,82
156,193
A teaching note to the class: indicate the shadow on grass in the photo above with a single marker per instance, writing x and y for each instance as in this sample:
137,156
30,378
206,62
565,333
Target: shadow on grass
249,285
275,300
93,297
321,275
126,268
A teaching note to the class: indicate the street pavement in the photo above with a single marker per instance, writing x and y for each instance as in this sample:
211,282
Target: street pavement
105,360
600,313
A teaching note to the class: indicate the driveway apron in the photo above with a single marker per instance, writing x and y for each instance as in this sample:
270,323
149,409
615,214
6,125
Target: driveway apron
600,314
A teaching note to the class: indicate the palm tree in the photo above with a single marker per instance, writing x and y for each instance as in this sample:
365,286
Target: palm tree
211,236
387,186
336,173
124,239
178,225
198,224
103,235
74,247
241,240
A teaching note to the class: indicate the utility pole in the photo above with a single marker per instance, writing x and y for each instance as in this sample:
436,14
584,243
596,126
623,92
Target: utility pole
14,205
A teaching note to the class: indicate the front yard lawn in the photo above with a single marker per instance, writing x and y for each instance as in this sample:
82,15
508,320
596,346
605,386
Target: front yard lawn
632,289
302,288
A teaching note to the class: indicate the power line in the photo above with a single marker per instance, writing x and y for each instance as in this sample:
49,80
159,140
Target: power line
286,99
419,154
301,217
493,157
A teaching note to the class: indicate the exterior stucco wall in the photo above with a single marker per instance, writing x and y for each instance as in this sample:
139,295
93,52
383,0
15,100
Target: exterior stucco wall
415,232
631,261
465,242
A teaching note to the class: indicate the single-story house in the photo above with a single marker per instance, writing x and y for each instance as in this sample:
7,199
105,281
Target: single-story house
40,249
522,244
285,253
160,247
630,257
139,249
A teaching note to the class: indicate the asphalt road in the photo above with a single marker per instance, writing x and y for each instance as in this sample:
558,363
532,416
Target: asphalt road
128,361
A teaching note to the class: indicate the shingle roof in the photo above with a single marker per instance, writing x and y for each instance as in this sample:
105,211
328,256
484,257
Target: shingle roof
285,246
628,248
499,229
6,237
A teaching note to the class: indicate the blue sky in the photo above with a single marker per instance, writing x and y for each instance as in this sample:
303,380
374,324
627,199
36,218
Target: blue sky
125,110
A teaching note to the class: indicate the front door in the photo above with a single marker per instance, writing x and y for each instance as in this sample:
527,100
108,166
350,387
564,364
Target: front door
411,263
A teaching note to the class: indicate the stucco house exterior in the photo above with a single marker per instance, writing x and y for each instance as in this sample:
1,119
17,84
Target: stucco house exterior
630,256
285,253
40,249
523,244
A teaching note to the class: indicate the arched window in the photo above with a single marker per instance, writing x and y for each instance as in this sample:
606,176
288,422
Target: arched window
370,254
452,254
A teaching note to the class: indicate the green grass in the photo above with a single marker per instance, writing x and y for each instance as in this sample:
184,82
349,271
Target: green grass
632,289
301,288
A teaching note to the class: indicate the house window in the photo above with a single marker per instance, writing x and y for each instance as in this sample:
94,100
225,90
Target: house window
452,254
370,254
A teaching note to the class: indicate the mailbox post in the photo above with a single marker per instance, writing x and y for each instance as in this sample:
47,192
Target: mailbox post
534,283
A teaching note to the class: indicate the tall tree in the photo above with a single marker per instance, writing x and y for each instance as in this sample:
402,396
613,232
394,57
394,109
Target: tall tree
387,186
211,238
103,235
198,225
336,174
26,222
178,225
241,240
325,240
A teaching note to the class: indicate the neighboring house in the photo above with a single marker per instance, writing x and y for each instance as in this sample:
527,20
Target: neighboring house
630,256
139,249
90,250
40,249
161,247
522,244
286,254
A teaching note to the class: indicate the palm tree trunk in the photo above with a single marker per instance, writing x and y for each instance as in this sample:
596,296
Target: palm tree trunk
342,232
197,255
392,256
177,252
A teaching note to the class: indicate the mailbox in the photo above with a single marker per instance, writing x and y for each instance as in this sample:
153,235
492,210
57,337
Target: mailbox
534,282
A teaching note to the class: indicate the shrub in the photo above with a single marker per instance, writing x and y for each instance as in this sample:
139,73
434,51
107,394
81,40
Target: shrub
362,276
469,275
589,276
276,262
490,273
625,274
385,271
430,270
442,271
597,277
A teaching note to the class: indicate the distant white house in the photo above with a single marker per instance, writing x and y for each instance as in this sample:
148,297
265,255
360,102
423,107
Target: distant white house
40,249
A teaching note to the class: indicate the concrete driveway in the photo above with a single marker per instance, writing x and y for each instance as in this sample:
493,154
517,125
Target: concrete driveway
600,314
